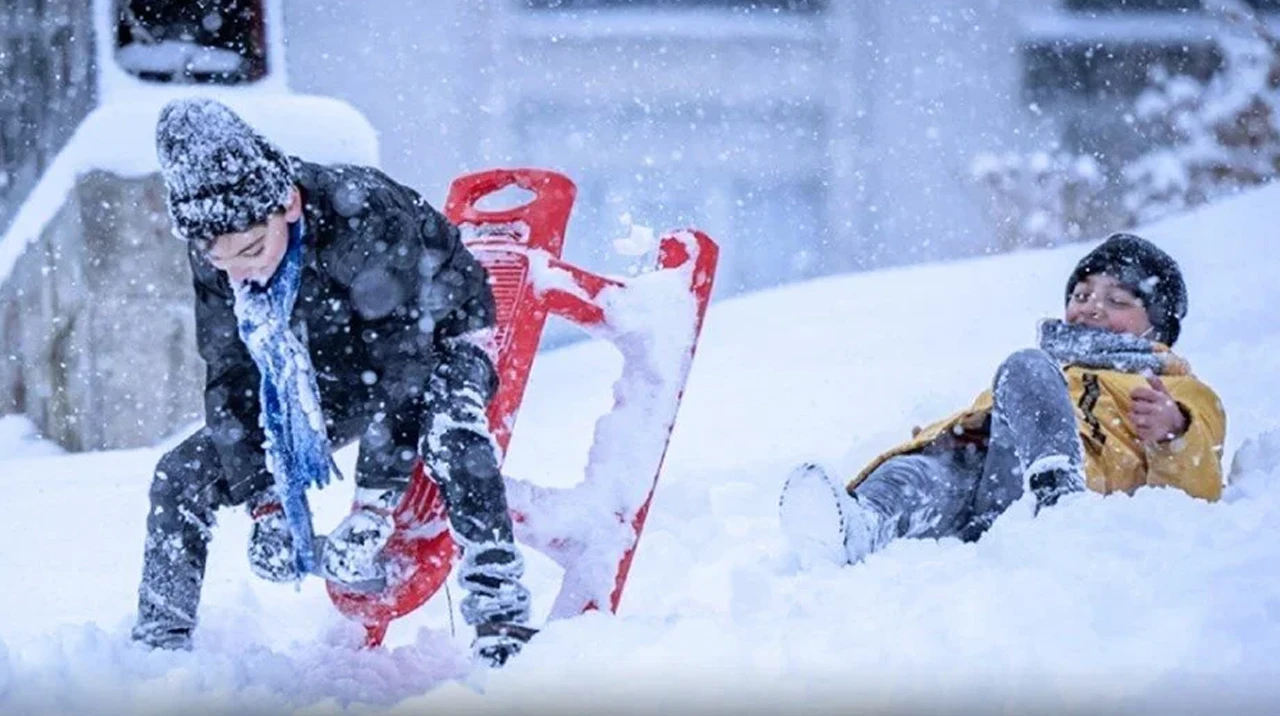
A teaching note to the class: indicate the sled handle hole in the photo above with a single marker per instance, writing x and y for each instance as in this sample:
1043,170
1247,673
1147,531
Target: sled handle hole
507,198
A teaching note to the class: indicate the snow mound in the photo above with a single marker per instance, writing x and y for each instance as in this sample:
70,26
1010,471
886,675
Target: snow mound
1152,603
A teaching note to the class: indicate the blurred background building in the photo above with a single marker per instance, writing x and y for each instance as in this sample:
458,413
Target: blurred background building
808,137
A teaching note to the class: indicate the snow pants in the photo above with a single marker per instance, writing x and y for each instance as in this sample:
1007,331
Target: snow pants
960,492
189,487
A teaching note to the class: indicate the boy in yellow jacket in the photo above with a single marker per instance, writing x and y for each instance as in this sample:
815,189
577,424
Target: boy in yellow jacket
1102,403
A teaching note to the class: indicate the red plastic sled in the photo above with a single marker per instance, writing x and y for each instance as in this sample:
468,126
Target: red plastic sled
654,319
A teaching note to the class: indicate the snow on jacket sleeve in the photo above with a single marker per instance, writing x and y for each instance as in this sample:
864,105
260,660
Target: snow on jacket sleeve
1193,461
231,384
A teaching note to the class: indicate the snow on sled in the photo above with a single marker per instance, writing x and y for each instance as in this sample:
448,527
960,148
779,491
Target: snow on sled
653,319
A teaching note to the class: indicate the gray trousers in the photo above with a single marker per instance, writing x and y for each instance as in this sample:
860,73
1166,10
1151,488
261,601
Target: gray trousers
189,486
961,492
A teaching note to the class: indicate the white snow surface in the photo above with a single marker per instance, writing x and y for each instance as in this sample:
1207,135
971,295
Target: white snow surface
1150,603
19,437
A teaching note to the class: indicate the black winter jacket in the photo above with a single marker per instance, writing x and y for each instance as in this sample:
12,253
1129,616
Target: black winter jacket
386,282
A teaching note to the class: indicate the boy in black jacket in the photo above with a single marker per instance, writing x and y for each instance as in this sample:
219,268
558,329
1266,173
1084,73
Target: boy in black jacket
348,307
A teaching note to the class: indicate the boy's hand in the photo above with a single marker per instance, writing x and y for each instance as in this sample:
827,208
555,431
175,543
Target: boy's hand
1155,414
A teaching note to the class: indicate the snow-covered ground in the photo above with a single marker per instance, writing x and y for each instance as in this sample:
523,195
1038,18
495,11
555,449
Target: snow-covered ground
1151,603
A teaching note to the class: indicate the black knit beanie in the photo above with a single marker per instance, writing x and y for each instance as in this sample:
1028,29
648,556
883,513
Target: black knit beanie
222,176
1151,274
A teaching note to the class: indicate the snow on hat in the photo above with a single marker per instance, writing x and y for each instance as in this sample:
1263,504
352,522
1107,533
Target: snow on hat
222,176
1148,272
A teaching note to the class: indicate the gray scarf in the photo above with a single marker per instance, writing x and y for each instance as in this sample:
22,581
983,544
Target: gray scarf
1105,350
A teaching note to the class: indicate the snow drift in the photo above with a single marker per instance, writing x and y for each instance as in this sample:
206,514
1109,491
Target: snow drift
1155,602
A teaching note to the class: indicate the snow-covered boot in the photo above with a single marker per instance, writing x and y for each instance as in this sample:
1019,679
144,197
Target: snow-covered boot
812,516
497,642
825,523
351,554
271,555
1051,477
158,635
490,572
496,603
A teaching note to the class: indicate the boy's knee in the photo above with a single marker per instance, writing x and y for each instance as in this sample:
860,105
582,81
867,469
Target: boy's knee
1030,363
1029,359
178,475
166,483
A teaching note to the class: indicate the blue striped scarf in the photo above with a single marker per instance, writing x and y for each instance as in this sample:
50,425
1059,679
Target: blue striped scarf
297,445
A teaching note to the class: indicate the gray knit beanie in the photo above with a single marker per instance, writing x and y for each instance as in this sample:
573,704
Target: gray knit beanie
222,176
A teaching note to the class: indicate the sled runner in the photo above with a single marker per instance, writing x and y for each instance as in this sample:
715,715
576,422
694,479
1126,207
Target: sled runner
654,320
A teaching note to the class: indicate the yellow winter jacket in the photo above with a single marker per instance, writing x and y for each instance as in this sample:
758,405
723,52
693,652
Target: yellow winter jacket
1115,458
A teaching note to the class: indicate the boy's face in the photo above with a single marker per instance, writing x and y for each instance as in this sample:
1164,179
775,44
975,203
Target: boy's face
1101,301
255,253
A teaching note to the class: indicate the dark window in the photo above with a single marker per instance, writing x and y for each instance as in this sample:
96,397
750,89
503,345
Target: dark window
1090,88
1132,5
1085,69
1091,70
1112,6
214,41
735,5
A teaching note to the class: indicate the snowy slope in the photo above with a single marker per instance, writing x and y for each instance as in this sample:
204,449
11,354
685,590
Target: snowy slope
1155,602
